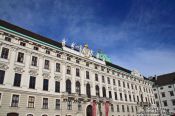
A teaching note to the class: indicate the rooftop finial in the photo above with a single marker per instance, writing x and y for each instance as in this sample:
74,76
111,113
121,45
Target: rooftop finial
63,42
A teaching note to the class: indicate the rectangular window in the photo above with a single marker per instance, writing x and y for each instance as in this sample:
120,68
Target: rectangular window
17,80
132,86
57,104
45,84
173,102
130,97
69,104
77,72
57,86
165,103
34,61
125,97
127,108
123,108
47,52
128,85
2,75
45,103
77,61
118,108
79,105
31,101
96,77
8,39
15,101
132,108
121,97
57,67
112,108
68,58
163,94
155,95
46,64
87,64
5,53
169,86
109,81
115,95
22,44
20,57
119,83
103,79
110,94
87,74
171,93
36,48
123,84
32,82
59,55
68,70
113,81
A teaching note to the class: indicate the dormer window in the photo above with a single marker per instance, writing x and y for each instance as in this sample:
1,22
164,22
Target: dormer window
8,39
59,55
47,52
22,44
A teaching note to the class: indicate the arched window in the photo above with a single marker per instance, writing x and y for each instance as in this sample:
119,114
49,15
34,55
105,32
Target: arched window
68,86
88,90
29,114
97,90
104,92
78,89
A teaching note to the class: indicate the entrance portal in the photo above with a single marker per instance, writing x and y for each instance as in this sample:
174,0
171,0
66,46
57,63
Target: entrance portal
89,110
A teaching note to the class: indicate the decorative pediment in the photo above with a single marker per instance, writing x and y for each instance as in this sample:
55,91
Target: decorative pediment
33,72
3,66
46,75
58,78
19,69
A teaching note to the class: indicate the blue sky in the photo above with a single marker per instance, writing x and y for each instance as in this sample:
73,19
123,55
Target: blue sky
136,34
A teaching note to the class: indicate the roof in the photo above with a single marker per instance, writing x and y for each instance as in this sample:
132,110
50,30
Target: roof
117,67
165,79
29,33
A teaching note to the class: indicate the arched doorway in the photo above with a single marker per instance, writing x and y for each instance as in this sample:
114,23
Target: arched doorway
12,114
89,110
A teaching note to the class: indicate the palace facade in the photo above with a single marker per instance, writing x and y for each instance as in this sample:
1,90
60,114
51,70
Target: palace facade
43,77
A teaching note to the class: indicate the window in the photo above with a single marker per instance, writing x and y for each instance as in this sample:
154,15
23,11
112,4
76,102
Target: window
31,101
68,70
123,84
59,55
161,87
57,67
165,103
155,95
132,86
127,108
113,81
102,68
77,72
47,52
32,82
77,61
5,53
68,86
125,97
112,108
130,97
20,57
119,83
22,44
136,108
136,87
36,48
96,77
103,79
123,108
45,103
69,104
68,58
115,95
17,80
79,105
108,80
128,85
169,86
157,104
121,97
46,64
134,98
132,108
173,102
171,93
87,74
87,64
88,90
29,114
57,105
97,91
57,86
78,90
96,67
34,61
163,94
45,84
110,94
2,75
15,100
104,92
8,39
118,109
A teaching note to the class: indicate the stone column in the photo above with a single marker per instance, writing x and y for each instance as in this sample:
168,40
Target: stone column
82,76
73,75
63,76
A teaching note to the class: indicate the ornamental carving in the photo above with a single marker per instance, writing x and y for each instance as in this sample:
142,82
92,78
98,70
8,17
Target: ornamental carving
18,69
33,72
86,51
46,75
58,78
3,66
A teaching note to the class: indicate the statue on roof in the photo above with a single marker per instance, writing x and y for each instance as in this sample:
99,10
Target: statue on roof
86,51
102,56
63,42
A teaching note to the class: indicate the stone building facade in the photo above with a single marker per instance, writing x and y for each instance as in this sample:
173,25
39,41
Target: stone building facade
42,77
